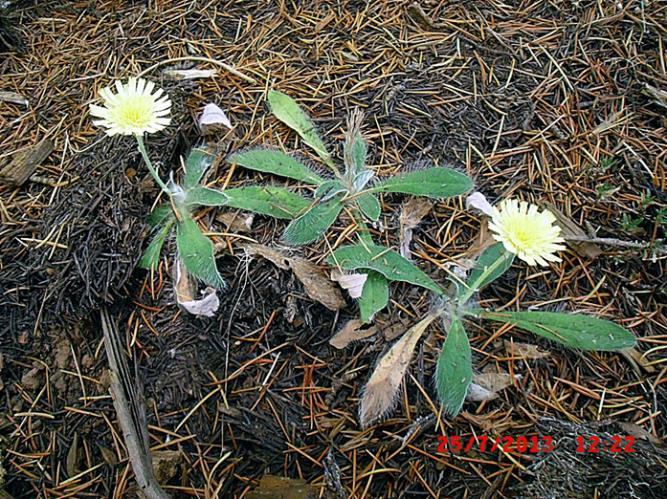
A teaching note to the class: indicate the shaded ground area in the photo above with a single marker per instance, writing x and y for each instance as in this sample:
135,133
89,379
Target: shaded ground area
548,101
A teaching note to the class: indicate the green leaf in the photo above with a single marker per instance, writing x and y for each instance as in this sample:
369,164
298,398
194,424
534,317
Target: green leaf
573,330
369,206
197,253
203,196
312,224
159,214
453,373
289,112
276,162
151,257
374,297
267,200
329,188
355,154
198,162
383,260
491,264
436,182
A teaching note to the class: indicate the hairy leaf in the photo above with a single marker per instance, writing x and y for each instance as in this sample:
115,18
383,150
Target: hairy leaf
436,182
197,253
453,372
289,112
160,214
573,330
374,296
491,264
276,162
329,189
197,163
383,260
268,200
203,196
151,257
381,391
312,224
355,153
369,206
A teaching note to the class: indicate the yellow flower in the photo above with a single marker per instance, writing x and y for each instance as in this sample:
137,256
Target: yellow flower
133,110
529,234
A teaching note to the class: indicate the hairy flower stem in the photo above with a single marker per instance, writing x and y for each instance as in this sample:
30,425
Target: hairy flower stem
144,154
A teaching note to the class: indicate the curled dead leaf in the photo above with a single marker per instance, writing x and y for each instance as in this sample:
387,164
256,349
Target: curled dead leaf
317,284
478,201
485,386
353,330
212,118
412,213
184,290
237,222
569,229
634,430
525,350
381,391
352,283
273,255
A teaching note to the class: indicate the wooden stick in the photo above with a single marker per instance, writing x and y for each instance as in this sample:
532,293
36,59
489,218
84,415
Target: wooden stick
130,410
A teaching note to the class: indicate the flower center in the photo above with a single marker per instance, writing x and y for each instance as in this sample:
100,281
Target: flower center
135,112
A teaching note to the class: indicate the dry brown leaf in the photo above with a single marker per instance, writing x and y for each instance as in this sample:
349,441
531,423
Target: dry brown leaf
486,386
183,283
108,455
412,212
237,222
352,283
637,360
394,330
570,229
525,350
381,391
166,464
271,254
634,430
277,487
352,331
72,460
317,284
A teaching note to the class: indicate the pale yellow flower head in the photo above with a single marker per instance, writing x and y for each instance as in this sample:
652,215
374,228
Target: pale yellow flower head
528,233
133,110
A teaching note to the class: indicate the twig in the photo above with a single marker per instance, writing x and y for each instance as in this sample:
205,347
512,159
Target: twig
610,241
130,410
223,65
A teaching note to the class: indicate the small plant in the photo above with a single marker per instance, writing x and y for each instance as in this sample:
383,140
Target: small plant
136,109
522,231
354,190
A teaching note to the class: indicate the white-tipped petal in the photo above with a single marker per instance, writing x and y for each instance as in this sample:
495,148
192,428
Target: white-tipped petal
133,109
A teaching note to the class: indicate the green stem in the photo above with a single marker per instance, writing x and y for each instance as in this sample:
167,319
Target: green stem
473,288
144,154
364,233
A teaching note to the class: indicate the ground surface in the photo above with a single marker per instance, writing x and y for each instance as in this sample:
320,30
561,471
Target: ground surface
543,100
